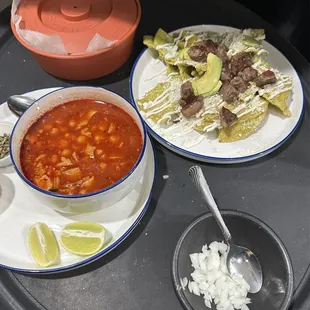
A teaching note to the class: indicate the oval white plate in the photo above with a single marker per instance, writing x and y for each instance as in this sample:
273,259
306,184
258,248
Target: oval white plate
19,209
274,132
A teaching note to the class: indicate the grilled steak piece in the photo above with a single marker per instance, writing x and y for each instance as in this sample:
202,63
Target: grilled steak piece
239,84
226,74
190,103
227,118
222,53
182,102
192,108
248,74
240,61
187,91
200,50
267,77
229,92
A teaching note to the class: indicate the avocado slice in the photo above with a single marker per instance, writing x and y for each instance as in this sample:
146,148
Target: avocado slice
210,79
215,89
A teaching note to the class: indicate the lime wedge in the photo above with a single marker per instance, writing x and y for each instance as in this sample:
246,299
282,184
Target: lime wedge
43,245
83,238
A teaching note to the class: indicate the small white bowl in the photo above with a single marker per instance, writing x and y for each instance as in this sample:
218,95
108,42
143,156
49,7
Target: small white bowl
7,128
86,202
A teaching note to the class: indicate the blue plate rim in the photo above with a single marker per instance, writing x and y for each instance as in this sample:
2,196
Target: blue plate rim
105,250
204,157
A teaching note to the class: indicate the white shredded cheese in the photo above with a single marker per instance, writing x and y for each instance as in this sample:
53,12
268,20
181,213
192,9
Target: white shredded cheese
212,281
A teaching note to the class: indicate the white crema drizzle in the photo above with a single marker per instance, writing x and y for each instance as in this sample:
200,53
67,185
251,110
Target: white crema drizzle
283,84
249,102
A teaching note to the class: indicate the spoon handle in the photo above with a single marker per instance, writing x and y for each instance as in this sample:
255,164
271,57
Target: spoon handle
202,186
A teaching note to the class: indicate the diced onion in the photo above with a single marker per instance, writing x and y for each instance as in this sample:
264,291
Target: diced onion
212,280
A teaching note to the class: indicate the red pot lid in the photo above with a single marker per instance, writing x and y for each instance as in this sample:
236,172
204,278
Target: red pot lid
77,21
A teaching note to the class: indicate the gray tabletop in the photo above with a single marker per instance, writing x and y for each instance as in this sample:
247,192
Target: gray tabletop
136,275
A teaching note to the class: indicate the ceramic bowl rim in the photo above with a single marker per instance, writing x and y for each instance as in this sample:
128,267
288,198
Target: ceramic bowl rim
240,214
92,194
82,56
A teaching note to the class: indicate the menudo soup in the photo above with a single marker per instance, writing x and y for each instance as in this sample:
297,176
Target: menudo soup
80,147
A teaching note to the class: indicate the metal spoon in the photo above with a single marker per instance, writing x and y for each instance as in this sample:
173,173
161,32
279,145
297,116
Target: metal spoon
19,104
240,260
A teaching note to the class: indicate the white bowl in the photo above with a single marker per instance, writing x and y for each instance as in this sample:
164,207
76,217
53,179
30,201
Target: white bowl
7,128
87,202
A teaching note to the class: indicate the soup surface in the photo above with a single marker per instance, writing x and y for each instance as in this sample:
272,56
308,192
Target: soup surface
80,147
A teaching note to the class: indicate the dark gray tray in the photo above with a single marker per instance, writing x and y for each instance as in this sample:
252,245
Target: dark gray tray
136,275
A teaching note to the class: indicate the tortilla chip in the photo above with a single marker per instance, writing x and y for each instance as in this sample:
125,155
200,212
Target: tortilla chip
149,41
155,112
206,120
185,72
153,94
171,69
280,102
161,104
162,37
245,126
160,118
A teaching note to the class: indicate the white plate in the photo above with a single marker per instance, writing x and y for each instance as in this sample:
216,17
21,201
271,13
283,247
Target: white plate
274,132
19,209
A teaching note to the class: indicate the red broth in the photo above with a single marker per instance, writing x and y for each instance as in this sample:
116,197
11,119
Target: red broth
80,147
